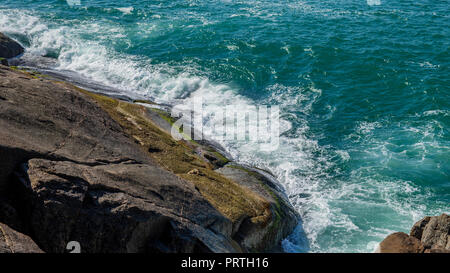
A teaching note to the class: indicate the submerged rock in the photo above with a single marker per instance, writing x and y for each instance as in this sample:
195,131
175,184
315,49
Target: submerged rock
429,235
9,48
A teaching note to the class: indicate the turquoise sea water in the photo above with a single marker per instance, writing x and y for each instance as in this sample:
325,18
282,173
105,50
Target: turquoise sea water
363,88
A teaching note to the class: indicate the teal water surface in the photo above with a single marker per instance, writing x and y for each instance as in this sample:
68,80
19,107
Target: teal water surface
363,88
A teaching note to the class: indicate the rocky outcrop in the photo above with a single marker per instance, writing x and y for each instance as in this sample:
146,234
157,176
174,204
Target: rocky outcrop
12,241
78,166
433,232
76,176
429,235
253,234
9,48
401,242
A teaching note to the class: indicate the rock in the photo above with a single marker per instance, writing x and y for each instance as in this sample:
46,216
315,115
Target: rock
433,232
437,250
9,215
400,242
41,119
9,48
214,157
77,166
12,241
194,172
4,61
124,207
257,236
417,229
429,235
81,178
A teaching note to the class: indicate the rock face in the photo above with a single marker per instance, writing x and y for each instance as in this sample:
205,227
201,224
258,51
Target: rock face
12,241
72,171
429,235
8,47
123,207
433,232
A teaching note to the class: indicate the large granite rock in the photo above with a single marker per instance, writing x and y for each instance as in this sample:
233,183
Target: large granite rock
12,241
400,242
69,171
8,47
429,235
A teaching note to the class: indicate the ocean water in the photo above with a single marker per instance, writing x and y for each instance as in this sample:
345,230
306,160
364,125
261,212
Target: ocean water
362,86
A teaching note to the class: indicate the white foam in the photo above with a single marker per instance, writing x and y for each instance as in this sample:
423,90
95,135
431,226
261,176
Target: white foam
20,22
365,127
126,10
232,47
445,113
373,2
